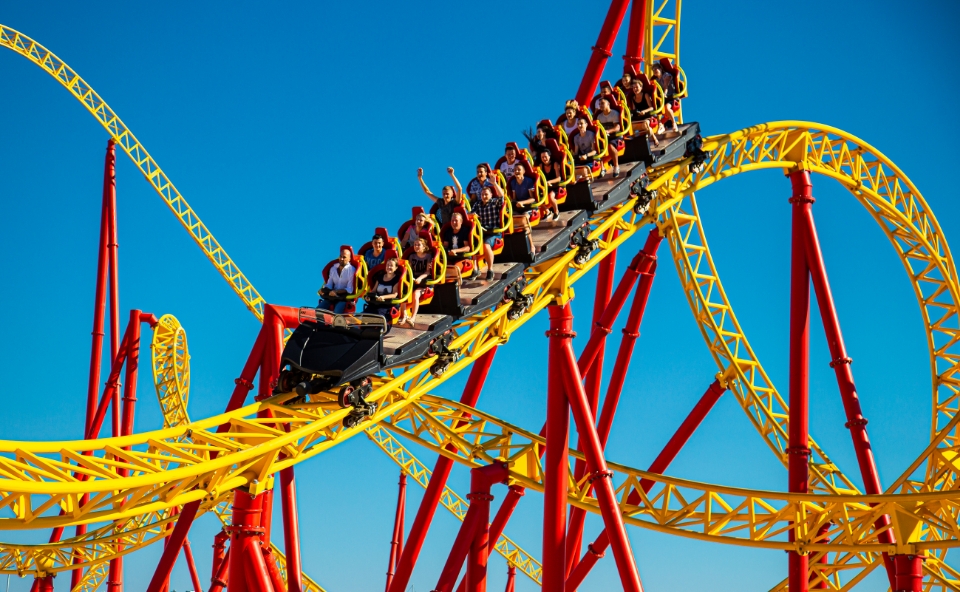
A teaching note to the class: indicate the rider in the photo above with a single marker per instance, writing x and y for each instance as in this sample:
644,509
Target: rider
339,284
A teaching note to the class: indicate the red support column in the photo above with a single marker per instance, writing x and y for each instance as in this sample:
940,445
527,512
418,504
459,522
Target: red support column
799,447
592,380
246,572
511,578
635,36
596,464
114,273
507,507
276,580
640,263
396,543
458,552
822,561
555,467
174,544
631,332
219,579
291,530
596,549
481,480
45,584
191,565
908,574
441,471
219,552
601,51
856,422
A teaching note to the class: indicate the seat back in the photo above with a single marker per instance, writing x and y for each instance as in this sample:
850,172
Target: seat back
439,265
414,212
389,242
405,285
600,139
561,154
359,276
471,224
679,78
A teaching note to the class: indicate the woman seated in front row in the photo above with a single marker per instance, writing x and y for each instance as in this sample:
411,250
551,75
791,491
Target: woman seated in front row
384,287
421,262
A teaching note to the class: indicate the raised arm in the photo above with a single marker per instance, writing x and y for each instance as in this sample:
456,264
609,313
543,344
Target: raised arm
456,183
423,186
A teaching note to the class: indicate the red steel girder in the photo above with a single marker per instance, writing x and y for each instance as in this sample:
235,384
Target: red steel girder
441,471
561,333
601,51
396,542
798,451
637,30
174,544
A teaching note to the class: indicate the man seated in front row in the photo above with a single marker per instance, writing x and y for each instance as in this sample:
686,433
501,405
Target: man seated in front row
375,254
339,284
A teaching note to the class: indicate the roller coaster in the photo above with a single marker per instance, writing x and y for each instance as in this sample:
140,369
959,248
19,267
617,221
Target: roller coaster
322,378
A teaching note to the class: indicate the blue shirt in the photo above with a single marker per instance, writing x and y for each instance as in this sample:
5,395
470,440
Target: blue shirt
373,261
521,192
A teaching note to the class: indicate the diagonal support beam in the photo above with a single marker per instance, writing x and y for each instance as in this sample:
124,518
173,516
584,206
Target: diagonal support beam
441,472
596,549
601,477
841,364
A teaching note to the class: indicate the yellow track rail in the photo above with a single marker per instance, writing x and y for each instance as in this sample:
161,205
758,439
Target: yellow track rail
40,481
83,92
909,224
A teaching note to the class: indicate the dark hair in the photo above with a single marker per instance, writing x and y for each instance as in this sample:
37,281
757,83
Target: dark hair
584,118
484,166
376,236
542,152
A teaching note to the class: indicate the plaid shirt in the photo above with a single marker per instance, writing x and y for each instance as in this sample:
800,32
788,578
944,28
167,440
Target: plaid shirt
489,213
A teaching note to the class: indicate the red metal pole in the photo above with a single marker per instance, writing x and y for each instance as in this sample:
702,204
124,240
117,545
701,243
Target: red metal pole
625,353
592,380
247,513
191,565
219,552
100,297
255,568
115,576
441,471
909,573
596,464
596,549
458,552
856,422
639,264
481,480
499,522
219,580
799,448
45,584
822,561
291,530
395,544
114,273
635,35
555,467
601,51
174,544
276,580
511,578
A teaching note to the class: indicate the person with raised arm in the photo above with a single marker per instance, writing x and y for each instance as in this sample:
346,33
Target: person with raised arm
449,199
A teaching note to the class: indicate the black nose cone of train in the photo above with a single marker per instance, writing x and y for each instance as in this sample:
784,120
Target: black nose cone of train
336,353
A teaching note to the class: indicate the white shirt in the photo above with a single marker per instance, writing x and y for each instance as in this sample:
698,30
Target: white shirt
341,280
507,169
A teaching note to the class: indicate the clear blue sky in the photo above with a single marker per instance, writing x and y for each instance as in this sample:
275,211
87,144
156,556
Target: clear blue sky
297,128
